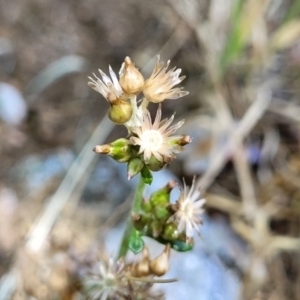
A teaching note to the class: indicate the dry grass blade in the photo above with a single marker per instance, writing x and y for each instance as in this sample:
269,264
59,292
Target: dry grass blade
288,110
286,35
245,181
176,41
219,103
250,119
225,204
44,223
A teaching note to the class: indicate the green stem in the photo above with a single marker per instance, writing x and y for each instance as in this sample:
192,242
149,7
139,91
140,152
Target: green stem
137,201
138,197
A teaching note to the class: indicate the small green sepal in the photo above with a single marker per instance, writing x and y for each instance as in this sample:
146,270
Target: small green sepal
135,165
146,175
136,243
154,164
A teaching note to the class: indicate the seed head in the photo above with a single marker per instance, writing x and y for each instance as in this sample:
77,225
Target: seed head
108,283
160,84
117,280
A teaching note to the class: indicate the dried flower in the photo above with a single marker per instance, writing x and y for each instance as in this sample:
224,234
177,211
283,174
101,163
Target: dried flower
188,210
122,281
161,82
131,80
154,139
109,282
110,89
142,267
161,265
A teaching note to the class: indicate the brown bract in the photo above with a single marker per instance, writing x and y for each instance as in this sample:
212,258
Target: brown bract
131,79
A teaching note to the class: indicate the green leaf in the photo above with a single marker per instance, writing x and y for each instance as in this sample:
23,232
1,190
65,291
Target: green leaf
293,11
233,46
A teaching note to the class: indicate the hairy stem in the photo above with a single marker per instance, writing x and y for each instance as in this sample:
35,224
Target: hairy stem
138,197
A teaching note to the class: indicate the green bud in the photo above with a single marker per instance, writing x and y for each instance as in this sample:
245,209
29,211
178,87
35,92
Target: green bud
140,220
146,205
146,175
163,194
119,150
120,111
170,232
155,165
134,166
155,229
161,212
136,243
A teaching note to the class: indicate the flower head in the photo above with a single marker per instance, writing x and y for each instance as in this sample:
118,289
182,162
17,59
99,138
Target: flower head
161,82
155,139
188,210
121,280
109,282
109,88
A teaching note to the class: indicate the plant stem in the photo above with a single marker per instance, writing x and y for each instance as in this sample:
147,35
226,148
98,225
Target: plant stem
151,280
138,197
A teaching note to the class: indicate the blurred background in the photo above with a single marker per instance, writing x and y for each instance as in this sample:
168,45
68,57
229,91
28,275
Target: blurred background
60,203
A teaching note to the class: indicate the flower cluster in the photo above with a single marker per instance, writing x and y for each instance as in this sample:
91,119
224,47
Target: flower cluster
151,145
171,223
155,89
122,280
